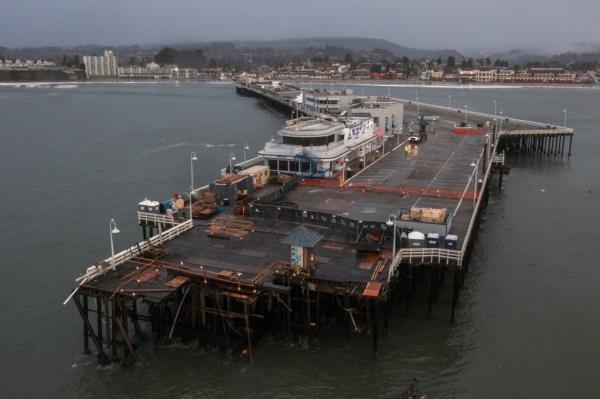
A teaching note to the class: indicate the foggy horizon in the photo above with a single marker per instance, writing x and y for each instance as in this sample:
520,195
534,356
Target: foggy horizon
463,25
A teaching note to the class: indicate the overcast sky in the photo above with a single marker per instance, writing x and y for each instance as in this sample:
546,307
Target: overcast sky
460,24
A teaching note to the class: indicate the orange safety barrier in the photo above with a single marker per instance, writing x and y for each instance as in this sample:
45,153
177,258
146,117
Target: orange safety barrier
401,190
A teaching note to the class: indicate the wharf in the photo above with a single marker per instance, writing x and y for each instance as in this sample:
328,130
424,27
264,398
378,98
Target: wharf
228,279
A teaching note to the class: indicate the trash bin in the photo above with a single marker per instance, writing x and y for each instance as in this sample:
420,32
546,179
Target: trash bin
416,239
451,241
433,240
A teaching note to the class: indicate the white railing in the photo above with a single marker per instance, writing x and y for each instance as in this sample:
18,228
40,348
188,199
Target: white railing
155,218
322,151
120,258
281,149
498,159
474,113
250,162
424,255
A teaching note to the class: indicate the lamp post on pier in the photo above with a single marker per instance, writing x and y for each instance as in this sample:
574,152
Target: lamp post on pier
246,147
232,159
193,158
344,161
466,114
391,222
449,102
565,121
417,99
191,190
495,103
112,228
476,166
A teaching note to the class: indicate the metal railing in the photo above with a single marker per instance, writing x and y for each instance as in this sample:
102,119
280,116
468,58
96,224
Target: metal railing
122,257
157,218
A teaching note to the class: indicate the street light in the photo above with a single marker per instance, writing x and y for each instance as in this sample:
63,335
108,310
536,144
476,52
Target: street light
417,98
495,109
391,222
232,158
565,112
191,189
449,102
112,228
501,117
193,158
475,165
345,160
246,147
466,114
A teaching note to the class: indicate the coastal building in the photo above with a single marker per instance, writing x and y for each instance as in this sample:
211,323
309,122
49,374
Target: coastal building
387,115
360,74
147,72
466,74
545,75
184,73
436,74
505,75
329,102
318,147
105,66
485,75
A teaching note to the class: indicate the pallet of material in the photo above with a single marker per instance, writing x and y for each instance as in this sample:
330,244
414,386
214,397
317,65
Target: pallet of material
220,231
234,222
206,197
428,215
203,211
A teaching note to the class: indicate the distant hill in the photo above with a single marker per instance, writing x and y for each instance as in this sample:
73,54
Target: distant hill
581,53
357,44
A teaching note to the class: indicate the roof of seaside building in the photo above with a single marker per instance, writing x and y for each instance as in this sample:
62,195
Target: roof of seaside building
302,237
305,127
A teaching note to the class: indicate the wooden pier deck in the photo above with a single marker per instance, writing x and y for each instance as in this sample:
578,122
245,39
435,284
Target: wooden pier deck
228,280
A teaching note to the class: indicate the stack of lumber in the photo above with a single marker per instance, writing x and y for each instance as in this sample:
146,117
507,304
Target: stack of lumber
230,227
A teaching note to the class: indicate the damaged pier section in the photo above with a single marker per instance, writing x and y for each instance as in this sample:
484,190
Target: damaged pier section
291,255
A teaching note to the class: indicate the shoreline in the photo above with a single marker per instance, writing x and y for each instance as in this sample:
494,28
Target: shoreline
40,83
438,84
346,82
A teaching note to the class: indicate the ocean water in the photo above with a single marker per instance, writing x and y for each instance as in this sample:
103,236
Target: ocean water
74,156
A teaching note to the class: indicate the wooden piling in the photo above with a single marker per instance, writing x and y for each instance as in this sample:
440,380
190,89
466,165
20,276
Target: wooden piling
86,330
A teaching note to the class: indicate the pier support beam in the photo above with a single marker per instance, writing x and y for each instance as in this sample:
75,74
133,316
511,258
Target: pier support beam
86,330
102,357
99,317
570,142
